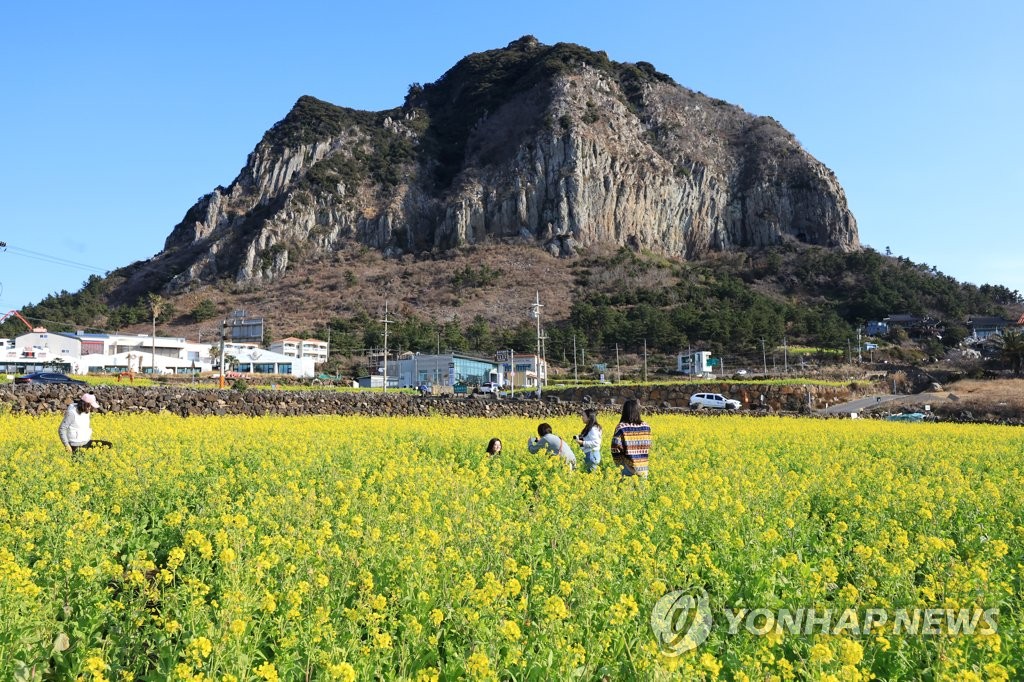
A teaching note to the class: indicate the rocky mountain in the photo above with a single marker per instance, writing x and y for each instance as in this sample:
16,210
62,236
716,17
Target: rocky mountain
556,146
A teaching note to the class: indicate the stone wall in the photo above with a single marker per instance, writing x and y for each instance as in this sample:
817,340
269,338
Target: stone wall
790,398
256,402
37,400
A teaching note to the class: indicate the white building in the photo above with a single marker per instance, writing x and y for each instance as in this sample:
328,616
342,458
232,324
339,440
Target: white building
697,364
111,353
450,369
36,351
527,371
302,348
83,353
260,361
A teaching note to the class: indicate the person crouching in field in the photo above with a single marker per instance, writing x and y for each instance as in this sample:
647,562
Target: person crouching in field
76,430
553,444
631,441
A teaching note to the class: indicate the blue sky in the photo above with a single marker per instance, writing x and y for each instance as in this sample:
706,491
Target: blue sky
117,116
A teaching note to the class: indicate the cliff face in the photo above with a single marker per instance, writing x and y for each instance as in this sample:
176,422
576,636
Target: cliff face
554,145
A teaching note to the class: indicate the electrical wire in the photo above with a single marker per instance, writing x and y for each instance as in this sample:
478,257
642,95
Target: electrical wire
53,260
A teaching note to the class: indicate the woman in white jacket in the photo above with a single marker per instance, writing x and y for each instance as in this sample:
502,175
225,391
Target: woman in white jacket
590,440
76,430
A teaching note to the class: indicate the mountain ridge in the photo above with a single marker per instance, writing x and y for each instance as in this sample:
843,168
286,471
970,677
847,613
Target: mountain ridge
554,145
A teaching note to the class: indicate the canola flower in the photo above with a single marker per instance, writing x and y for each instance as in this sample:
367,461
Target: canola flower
352,548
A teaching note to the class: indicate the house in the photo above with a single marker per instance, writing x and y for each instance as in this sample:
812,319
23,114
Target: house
446,369
302,348
695,364
528,371
450,369
916,326
902,320
261,361
39,350
376,381
114,353
983,327
876,328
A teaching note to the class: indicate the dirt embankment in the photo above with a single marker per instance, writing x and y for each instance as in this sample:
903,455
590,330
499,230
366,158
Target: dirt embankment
996,401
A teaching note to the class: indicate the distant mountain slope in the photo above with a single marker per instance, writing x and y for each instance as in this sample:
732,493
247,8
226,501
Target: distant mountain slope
477,297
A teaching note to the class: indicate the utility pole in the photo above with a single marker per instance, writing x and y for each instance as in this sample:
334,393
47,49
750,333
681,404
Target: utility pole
860,358
575,369
785,355
386,321
764,357
223,335
535,313
618,374
156,304
645,360
544,354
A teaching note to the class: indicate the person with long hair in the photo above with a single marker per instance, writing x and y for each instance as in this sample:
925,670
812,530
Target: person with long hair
590,440
494,447
631,442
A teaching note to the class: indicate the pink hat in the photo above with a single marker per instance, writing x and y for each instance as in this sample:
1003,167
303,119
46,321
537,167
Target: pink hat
90,399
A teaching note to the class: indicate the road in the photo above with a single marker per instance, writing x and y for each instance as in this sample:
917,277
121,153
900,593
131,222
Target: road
860,404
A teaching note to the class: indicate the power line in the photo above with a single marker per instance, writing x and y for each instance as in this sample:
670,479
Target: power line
49,258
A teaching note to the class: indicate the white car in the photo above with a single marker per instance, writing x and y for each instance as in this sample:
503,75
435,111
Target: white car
715,400
488,388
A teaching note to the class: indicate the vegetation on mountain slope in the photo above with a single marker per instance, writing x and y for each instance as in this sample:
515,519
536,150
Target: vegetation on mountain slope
808,295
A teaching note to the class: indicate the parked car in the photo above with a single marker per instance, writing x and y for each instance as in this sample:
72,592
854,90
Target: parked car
48,378
488,387
713,400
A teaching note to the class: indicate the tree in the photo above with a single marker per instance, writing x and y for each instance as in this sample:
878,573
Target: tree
204,310
1011,349
156,304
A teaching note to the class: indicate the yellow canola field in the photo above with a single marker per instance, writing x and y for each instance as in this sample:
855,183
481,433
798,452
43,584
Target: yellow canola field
351,548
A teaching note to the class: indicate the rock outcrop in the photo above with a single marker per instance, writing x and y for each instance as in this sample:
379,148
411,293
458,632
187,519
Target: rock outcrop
555,145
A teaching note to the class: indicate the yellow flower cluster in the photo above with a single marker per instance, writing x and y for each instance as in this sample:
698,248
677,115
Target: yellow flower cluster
353,548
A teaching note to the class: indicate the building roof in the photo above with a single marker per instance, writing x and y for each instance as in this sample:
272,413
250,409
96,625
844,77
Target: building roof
987,321
48,334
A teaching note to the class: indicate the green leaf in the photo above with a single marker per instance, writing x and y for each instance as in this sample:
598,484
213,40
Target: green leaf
61,643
